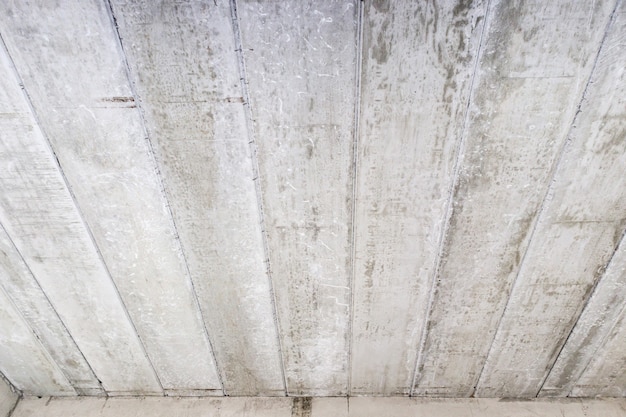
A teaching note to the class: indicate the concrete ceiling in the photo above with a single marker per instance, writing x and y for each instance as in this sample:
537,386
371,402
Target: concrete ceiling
313,197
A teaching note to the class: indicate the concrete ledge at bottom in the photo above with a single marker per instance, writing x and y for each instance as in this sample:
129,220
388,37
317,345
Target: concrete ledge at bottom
317,407
8,398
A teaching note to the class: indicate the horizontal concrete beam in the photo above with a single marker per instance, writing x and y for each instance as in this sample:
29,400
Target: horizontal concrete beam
318,407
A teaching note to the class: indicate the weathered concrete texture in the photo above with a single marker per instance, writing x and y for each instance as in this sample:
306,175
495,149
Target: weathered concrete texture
604,372
8,398
39,214
534,63
21,287
15,276
595,339
317,407
183,60
300,58
590,337
412,111
96,132
604,375
405,407
156,407
313,197
579,229
23,359
598,144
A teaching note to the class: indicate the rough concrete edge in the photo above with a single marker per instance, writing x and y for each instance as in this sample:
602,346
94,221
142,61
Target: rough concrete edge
13,390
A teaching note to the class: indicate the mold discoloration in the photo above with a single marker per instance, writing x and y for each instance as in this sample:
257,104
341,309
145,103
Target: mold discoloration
382,6
382,49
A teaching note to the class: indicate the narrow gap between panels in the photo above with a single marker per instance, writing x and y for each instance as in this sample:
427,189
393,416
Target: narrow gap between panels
355,183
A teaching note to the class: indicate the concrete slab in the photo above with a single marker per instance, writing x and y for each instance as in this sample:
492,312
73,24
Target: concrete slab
23,359
580,227
300,58
183,61
22,288
413,108
534,64
87,109
155,407
598,145
44,224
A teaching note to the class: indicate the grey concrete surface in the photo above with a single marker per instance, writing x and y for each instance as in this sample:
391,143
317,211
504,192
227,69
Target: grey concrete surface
121,202
41,218
182,59
576,239
325,198
506,168
400,216
305,150
318,407
8,398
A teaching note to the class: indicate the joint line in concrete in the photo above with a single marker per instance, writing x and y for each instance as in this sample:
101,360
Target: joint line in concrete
355,183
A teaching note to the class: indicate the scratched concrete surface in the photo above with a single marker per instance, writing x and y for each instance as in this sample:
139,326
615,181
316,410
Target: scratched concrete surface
313,198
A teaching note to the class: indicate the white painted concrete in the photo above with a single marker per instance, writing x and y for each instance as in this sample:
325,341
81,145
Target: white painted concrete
24,360
317,407
8,398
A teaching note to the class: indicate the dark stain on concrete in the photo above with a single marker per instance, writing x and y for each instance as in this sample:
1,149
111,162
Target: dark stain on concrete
573,363
618,233
119,99
382,49
381,5
515,400
301,407
462,7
